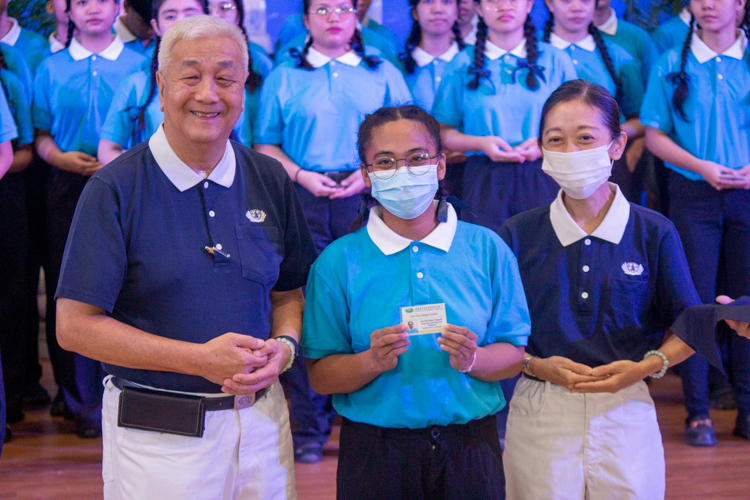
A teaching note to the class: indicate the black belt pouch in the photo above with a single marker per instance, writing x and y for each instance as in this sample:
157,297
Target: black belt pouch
159,411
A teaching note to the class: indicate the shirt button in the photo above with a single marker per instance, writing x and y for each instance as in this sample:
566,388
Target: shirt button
437,78
205,185
435,62
721,77
219,247
93,58
585,269
572,47
420,275
212,213
575,61
587,241
335,74
415,248
333,63
718,59
96,73
584,295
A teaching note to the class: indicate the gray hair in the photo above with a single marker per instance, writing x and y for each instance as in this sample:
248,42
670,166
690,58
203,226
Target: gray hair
200,27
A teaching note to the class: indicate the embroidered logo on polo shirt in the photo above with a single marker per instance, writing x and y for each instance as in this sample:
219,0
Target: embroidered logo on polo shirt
632,269
256,215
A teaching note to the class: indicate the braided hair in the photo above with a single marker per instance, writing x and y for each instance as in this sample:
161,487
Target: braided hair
532,52
254,79
477,68
71,24
746,20
606,58
415,36
682,78
355,43
140,116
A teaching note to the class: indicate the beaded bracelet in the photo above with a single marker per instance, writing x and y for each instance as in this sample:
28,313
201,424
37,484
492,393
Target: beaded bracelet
473,360
664,363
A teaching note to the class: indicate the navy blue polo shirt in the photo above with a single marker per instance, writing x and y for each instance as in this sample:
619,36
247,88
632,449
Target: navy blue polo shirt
136,248
604,297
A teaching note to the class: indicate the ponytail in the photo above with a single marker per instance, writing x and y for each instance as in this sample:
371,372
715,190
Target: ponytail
301,57
548,26
363,212
458,37
358,46
682,78
140,117
477,69
415,36
536,72
71,31
593,31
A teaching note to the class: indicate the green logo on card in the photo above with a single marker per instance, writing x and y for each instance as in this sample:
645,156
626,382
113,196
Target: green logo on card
410,310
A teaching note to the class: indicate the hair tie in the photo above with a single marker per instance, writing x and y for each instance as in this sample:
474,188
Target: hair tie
535,69
297,54
482,73
678,78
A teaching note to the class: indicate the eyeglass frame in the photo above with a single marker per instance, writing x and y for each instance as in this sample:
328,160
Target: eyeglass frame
340,11
408,168
495,4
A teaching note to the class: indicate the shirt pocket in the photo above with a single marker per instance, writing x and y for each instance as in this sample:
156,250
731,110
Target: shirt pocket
261,253
628,300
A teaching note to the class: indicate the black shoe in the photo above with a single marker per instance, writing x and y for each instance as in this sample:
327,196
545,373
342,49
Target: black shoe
58,407
310,453
742,427
702,434
88,430
14,414
722,401
36,395
8,435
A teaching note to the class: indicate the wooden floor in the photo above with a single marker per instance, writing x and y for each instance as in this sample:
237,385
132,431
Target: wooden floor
46,459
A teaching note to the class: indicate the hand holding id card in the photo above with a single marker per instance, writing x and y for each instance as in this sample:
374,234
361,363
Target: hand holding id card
426,319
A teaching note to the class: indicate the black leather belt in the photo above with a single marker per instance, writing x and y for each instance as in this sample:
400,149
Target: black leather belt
217,403
530,377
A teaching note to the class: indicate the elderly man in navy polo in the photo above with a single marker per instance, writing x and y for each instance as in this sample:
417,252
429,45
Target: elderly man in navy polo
182,274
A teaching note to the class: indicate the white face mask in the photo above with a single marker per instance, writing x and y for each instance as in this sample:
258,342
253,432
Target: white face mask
579,173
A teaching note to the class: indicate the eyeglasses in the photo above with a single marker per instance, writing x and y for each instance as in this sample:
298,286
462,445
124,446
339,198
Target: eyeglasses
496,4
227,6
385,167
341,11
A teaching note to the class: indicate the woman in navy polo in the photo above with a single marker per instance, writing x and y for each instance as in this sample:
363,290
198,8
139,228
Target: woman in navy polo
418,409
603,277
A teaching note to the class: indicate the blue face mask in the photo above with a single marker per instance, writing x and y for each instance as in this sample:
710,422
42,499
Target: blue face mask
405,195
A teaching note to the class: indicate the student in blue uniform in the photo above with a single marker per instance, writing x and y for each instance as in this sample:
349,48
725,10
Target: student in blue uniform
311,108
490,101
133,27
8,132
17,65
433,42
627,35
135,112
468,19
72,93
673,32
418,410
14,240
570,27
696,112
603,279
28,43
390,39
58,38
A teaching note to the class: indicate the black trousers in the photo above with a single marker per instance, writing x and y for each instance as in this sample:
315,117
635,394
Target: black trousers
454,462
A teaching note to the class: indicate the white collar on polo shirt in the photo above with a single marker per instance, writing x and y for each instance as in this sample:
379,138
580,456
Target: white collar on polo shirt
78,52
123,31
184,177
685,16
610,25
55,45
587,43
389,242
12,36
423,58
703,52
318,59
493,52
611,229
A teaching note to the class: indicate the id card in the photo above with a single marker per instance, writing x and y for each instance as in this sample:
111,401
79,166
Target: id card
421,320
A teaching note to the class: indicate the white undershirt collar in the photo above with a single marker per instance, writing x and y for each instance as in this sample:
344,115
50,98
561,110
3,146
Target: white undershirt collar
389,242
610,25
704,53
423,58
12,36
78,52
611,228
493,52
587,43
318,59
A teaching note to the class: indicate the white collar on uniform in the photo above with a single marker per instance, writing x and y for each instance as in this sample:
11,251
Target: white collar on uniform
471,37
587,43
389,242
493,52
318,59
610,25
365,22
123,31
184,177
55,45
703,52
611,229
15,31
685,16
78,52
423,58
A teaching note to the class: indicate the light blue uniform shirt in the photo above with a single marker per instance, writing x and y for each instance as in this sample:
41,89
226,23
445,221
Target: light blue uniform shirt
717,106
73,91
500,107
428,73
29,44
315,115
292,27
8,129
673,32
390,42
19,106
590,66
633,39
19,67
360,282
